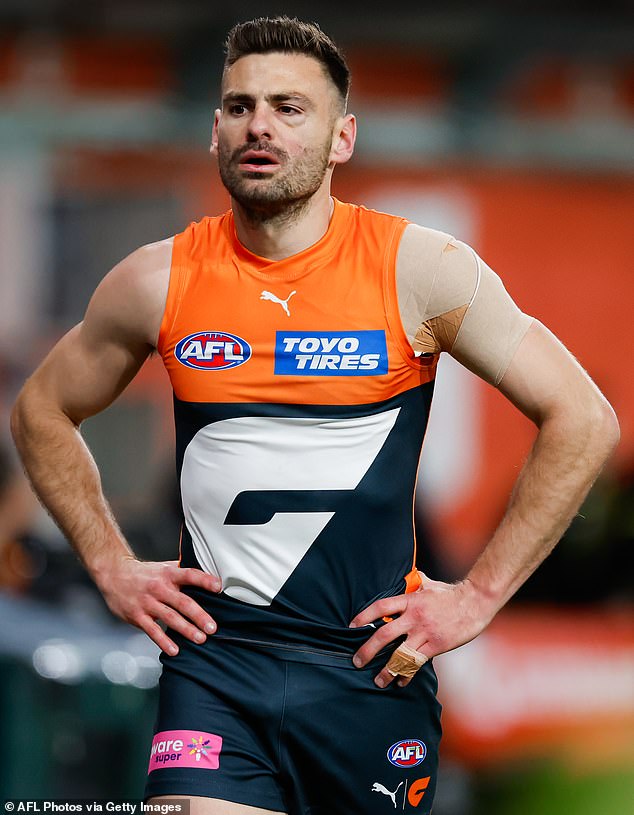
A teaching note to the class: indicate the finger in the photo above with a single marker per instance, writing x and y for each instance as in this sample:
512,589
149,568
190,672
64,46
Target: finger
379,640
157,635
196,577
385,676
188,607
380,608
177,622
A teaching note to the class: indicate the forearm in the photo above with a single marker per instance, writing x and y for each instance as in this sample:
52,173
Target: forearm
567,456
577,432
66,479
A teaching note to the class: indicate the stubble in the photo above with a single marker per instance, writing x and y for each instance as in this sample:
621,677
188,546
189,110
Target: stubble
279,197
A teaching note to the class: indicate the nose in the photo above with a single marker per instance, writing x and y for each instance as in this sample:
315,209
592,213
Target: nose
260,124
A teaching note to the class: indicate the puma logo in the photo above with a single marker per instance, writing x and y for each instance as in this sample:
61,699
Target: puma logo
376,787
267,295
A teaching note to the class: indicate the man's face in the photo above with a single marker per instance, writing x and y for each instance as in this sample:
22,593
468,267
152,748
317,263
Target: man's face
274,134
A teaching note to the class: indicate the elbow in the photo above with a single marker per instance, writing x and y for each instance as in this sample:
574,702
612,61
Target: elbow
598,428
30,411
18,418
586,422
607,427
35,413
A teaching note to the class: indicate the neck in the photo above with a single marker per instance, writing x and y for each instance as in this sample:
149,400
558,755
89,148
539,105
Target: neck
284,233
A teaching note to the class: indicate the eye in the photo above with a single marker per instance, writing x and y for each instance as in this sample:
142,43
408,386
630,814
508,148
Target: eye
288,110
237,109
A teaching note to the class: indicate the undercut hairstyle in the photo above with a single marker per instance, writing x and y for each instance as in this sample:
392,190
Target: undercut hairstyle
292,36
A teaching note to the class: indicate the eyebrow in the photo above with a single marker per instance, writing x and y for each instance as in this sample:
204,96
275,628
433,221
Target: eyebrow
290,96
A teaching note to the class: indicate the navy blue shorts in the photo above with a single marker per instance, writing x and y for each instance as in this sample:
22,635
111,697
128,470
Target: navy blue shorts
293,730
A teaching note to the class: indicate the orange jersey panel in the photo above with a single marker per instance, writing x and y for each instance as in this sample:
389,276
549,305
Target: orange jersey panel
251,322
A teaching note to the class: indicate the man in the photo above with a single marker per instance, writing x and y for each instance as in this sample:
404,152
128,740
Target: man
301,337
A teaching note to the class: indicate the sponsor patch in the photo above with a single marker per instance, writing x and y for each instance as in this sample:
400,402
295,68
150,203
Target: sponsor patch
411,795
330,353
212,351
185,748
407,753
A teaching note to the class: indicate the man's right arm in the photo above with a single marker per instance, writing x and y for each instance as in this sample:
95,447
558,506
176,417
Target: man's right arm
87,369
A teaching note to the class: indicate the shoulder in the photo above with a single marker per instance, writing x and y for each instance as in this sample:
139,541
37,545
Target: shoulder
434,271
131,297
423,250
147,261
425,239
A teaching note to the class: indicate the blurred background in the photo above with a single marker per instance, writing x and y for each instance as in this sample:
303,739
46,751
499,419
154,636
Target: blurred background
514,131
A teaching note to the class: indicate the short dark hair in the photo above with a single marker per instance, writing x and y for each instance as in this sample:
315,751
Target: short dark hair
289,35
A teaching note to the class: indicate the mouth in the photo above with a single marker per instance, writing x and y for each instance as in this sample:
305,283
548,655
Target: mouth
258,161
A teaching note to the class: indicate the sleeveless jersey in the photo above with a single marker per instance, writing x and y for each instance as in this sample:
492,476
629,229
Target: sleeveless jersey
300,411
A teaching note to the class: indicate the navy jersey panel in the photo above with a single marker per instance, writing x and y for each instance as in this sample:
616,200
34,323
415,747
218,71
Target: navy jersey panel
333,551
301,737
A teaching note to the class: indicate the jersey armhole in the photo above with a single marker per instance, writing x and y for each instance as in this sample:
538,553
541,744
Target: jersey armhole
394,322
175,289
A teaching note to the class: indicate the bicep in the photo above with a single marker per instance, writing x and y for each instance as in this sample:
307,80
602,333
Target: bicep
492,327
86,371
451,301
92,364
490,335
543,378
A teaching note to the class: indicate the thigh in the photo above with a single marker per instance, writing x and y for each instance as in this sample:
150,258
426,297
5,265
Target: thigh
351,747
213,806
217,727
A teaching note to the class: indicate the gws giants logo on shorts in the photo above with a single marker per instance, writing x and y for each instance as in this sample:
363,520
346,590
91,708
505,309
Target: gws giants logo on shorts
407,753
185,748
412,795
212,351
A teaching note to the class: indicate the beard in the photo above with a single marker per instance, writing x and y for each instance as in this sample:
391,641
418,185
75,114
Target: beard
285,193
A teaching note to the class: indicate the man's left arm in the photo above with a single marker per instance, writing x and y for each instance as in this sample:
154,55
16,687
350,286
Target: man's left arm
578,431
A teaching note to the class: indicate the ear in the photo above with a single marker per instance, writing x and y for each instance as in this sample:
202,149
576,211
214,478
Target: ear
344,137
213,147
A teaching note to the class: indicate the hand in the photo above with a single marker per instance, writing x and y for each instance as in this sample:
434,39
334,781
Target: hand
141,593
435,619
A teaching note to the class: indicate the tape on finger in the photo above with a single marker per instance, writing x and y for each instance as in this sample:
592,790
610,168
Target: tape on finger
406,662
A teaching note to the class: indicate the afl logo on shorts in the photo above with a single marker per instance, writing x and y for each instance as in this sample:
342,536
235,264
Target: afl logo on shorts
407,753
212,351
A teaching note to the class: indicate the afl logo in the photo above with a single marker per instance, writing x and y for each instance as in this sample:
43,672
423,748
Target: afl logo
407,753
212,351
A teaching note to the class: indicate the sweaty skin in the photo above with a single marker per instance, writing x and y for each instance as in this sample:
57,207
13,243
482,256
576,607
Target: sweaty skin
94,362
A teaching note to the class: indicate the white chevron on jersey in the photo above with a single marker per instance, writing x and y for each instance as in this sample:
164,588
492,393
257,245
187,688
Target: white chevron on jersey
231,456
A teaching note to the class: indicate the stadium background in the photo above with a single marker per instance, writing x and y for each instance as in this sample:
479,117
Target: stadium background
512,130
